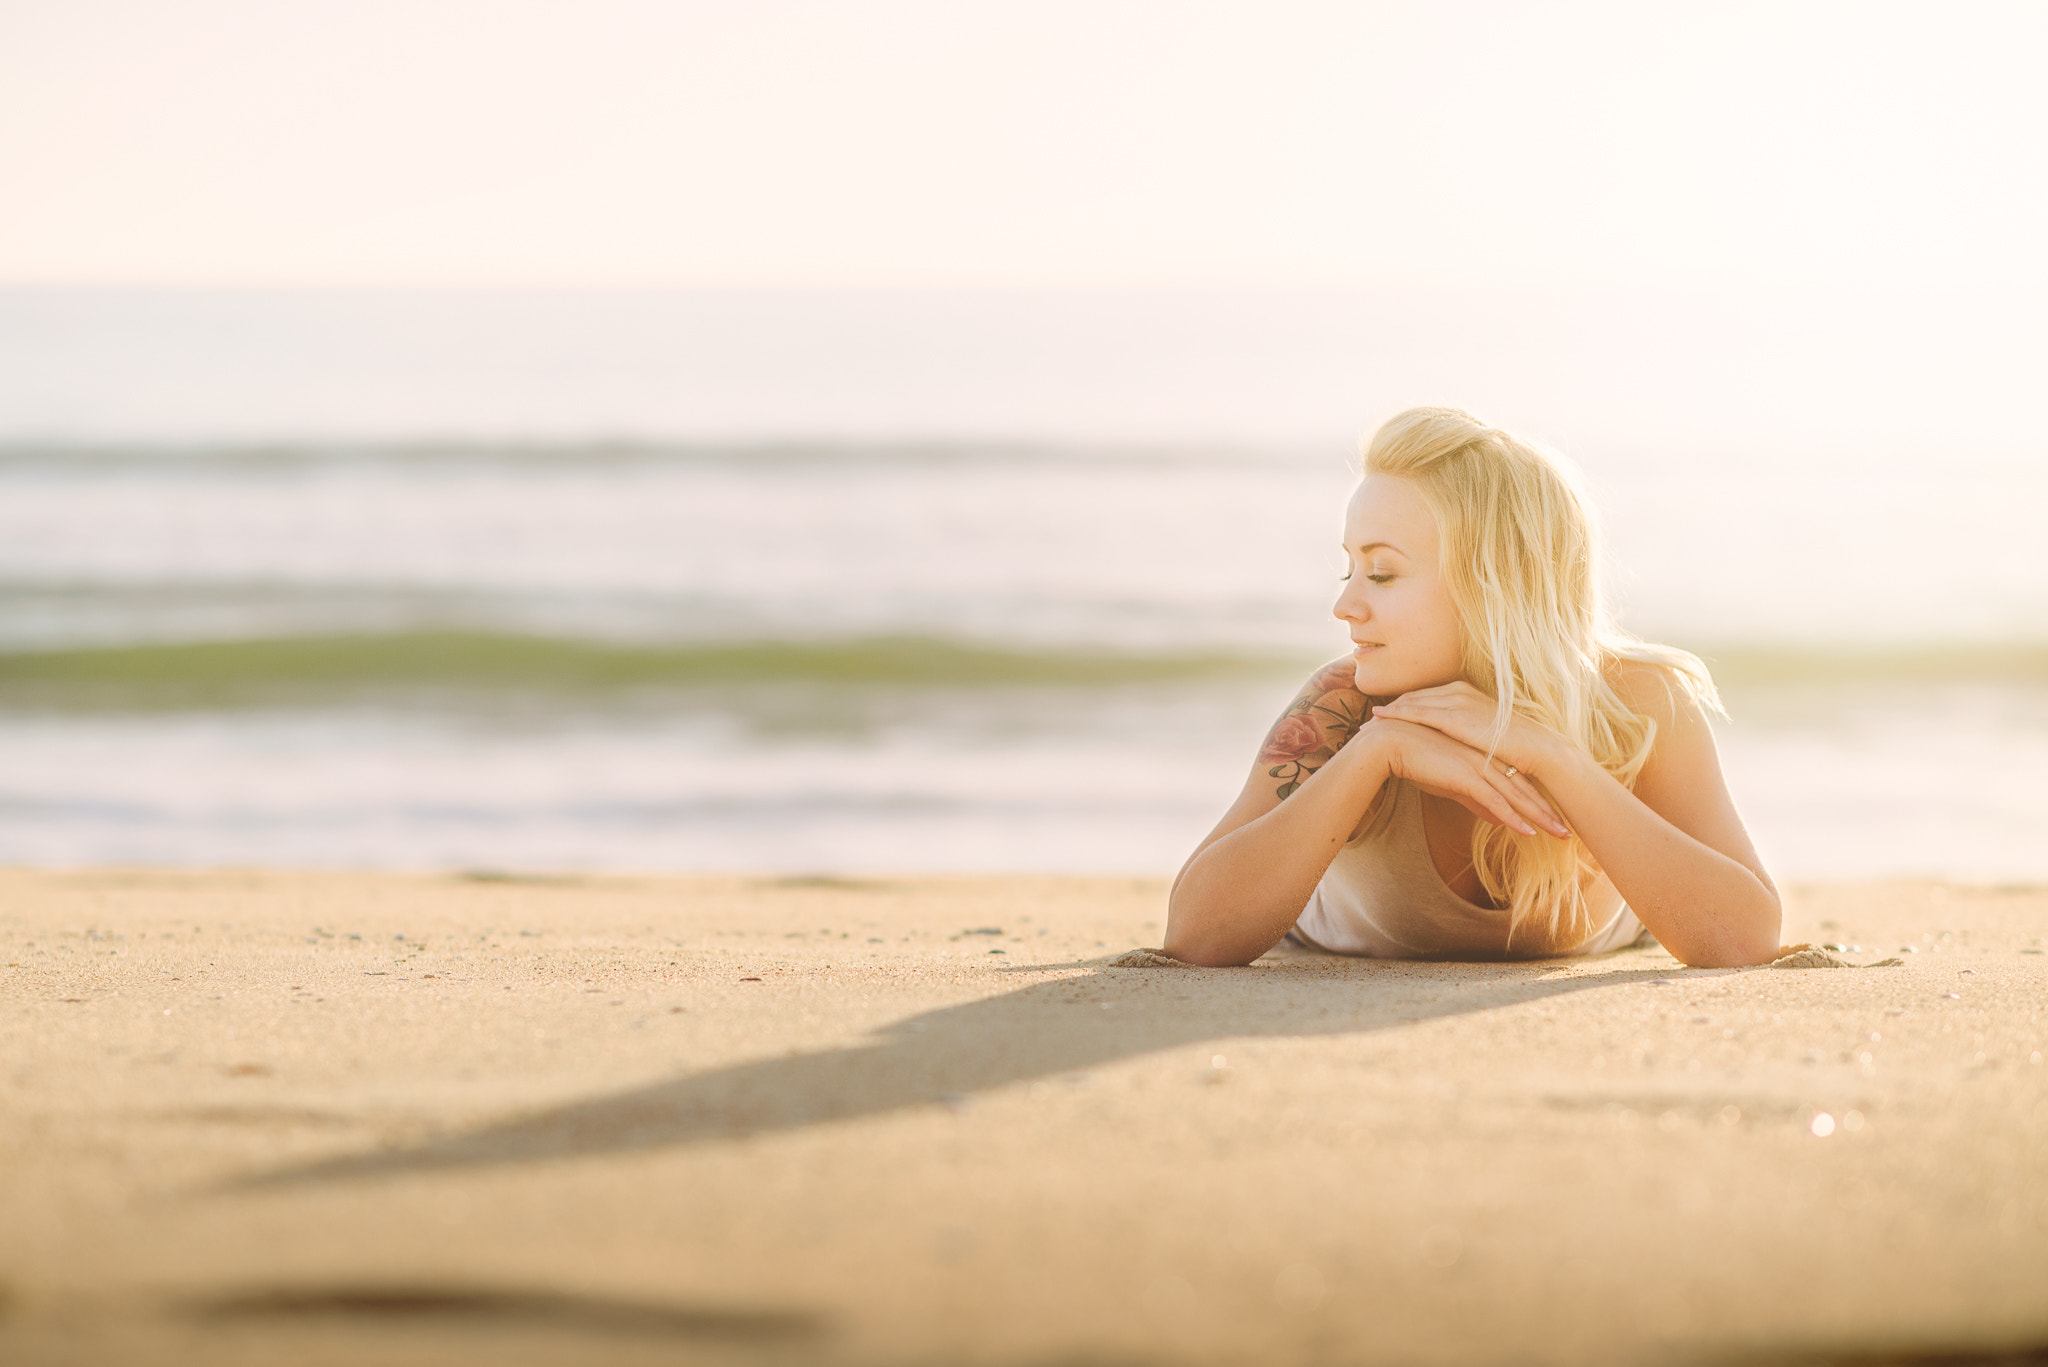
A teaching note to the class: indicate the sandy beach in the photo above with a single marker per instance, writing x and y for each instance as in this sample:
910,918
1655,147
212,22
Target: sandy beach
261,1117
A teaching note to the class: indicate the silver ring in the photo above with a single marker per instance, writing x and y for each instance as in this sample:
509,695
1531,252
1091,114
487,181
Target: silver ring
1511,771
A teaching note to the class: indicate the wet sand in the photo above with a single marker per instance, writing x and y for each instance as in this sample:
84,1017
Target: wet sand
339,1118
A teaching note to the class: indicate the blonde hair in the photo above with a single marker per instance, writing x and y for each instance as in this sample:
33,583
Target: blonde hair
1521,561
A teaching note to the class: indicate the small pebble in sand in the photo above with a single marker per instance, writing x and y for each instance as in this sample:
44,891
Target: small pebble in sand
1953,996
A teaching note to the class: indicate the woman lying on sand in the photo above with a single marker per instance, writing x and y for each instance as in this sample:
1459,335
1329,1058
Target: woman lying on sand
1496,771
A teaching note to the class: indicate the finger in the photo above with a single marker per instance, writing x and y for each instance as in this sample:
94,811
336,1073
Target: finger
1458,691
1536,809
1529,801
1526,786
1471,789
1412,711
1435,707
1494,813
1500,808
1461,728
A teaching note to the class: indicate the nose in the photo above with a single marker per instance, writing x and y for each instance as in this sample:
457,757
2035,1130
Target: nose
1350,605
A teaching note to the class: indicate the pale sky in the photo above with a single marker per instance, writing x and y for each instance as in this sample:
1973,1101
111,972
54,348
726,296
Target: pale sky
884,143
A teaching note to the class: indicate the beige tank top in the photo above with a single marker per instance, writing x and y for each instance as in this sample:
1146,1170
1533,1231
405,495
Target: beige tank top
1383,898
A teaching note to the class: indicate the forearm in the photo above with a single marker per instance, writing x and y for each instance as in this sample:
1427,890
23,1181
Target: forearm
1238,894
1710,910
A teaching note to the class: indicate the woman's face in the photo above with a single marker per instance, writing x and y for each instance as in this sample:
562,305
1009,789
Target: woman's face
1396,604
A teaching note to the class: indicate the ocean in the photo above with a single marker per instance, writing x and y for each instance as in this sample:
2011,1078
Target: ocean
843,584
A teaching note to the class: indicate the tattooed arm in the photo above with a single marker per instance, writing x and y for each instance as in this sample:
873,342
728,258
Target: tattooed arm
1227,907
1323,716
1322,765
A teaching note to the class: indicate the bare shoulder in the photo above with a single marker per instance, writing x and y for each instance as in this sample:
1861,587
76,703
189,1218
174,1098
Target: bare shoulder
1338,676
1655,691
1325,713
1331,700
1681,779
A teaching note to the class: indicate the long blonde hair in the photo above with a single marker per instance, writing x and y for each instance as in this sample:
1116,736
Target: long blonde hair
1521,561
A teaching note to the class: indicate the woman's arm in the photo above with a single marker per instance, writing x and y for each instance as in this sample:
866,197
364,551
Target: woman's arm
1674,846
1316,777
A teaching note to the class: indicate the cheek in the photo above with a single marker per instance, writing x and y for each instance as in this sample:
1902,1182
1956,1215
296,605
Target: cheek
1450,651
1440,644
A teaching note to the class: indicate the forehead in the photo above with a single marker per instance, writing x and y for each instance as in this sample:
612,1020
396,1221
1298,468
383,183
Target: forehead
1387,508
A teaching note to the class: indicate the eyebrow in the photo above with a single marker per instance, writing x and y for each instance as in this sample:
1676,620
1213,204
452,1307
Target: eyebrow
1381,545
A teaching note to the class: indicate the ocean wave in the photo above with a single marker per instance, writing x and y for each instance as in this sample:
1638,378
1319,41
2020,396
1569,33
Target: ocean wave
319,668
389,666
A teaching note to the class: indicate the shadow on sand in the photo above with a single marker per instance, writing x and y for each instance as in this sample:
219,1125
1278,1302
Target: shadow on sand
1049,1028
480,1307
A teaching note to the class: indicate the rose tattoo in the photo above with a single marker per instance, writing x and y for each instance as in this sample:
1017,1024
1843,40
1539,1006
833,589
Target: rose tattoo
1313,729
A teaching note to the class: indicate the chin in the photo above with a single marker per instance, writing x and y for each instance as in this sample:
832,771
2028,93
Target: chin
1378,676
1391,681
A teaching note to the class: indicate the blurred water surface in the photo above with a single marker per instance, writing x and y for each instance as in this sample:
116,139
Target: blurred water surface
916,652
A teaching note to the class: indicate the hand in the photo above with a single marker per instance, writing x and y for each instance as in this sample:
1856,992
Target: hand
1465,714
1436,763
